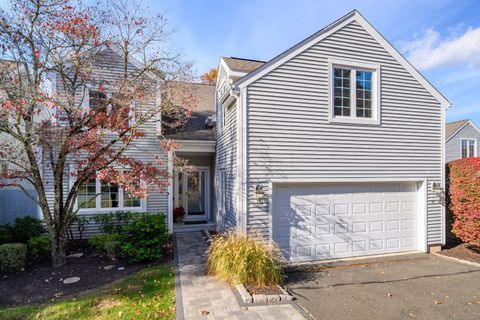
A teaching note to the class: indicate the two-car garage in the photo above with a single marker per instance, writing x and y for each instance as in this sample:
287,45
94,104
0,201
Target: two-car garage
340,220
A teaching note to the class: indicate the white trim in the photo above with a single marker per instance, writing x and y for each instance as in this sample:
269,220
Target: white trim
461,128
242,160
196,145
375,69
325,32
468,147
170,193
422,193
443,177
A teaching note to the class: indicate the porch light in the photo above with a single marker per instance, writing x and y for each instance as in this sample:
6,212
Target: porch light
259,193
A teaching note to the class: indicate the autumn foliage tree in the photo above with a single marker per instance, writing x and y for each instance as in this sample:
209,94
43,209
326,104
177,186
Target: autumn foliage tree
210,77
465,199
50,51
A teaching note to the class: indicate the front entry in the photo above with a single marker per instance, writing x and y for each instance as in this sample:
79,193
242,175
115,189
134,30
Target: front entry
192,193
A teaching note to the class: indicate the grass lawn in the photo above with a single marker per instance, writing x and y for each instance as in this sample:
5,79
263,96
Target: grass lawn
149,294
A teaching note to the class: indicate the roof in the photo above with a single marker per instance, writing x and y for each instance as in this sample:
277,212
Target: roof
196,127
452,127
242,65
325,32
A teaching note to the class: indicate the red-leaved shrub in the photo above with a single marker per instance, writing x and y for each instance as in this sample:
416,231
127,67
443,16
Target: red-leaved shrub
465,198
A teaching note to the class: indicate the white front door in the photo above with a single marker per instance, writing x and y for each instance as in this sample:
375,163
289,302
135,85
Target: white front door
325,221
192,193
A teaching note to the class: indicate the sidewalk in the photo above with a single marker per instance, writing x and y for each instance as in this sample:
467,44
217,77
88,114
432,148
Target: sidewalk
203,297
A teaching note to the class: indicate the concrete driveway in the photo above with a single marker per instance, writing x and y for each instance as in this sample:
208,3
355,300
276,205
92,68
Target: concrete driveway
418,286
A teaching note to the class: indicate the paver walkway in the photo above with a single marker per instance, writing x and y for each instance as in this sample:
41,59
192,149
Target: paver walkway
200,292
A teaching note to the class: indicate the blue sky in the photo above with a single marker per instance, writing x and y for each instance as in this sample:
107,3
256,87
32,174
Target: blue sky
441,38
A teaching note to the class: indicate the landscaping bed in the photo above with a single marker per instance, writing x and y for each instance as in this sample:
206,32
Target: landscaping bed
463,251
40,282
148,294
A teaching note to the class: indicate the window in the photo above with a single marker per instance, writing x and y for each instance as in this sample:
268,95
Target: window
353,92
469,148
87,195
98,195
222,181
97,101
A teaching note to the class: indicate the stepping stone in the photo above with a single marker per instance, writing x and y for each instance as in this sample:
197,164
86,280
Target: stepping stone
75,255
71,280
108,267
121,268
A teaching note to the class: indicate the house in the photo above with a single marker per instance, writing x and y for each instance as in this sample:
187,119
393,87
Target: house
332,149
461,140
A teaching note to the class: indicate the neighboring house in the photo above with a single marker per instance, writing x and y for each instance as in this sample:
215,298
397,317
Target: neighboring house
461,139
332,149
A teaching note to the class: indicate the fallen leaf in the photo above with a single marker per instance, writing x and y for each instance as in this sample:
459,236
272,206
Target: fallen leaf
438,302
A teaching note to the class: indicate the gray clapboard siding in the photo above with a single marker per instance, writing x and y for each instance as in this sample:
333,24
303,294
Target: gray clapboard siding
289,136
226,159
453,147
108,66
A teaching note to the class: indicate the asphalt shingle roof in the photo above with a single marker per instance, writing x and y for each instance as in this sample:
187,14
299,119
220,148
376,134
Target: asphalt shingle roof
452,127
242,65
196,127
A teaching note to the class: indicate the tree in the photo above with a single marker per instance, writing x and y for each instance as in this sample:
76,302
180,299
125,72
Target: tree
210,77
464,191
50,50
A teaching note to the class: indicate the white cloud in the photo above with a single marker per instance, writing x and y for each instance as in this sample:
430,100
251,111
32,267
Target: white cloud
430,51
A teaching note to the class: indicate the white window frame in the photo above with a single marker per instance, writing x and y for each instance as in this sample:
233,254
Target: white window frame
98,201
354,66
222,199
474,147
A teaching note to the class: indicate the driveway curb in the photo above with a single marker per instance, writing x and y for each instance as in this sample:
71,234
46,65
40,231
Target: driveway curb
475,264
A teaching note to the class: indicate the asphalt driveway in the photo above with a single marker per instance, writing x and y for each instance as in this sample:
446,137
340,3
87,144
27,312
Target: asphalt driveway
418,286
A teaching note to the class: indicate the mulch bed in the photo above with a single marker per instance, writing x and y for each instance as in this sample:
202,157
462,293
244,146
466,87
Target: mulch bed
40,282
463,251
264,290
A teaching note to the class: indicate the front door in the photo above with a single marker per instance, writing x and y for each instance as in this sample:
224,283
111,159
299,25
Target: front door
192,193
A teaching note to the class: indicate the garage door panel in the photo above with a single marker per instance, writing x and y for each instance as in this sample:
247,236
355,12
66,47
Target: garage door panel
311,223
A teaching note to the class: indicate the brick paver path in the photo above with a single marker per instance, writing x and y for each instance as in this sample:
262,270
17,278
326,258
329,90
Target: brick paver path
204,297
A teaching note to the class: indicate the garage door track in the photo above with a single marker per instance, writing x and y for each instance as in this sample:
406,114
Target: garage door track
418,286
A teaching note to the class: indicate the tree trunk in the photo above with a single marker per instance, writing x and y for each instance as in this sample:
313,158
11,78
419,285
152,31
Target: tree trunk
58,251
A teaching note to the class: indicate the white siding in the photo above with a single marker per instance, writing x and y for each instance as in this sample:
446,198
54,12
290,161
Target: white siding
108,66
453,147
289,136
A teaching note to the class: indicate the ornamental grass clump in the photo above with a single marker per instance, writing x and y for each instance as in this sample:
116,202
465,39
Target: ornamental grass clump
238,258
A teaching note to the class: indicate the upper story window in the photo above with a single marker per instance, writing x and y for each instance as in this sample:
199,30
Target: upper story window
469,148
354,92
97,101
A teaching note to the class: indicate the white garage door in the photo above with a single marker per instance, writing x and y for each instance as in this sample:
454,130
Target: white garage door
313,222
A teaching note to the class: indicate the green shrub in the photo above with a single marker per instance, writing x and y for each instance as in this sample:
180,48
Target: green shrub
144,237
98,241
114,222
237,258
40,247
12,256
113,248
6,234
26,228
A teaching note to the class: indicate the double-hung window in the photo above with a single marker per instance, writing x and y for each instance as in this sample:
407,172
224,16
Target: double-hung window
354,92
469,148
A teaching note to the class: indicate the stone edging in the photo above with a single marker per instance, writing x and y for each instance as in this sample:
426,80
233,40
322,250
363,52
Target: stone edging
263,298
475,264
